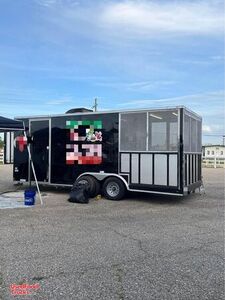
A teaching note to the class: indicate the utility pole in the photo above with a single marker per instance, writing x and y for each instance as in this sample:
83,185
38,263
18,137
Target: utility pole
95,106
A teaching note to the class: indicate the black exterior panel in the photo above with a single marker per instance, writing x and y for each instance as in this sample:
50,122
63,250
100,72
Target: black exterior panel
65,171
40,149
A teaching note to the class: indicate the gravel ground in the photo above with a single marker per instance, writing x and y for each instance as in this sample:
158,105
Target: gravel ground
145,247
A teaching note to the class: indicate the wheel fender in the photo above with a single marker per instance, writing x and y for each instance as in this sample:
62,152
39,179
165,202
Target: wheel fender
104,176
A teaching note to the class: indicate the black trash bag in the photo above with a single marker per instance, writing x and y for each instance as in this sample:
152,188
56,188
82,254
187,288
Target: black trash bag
79,194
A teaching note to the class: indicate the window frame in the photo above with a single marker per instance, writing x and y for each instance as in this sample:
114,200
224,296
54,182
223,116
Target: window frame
148,136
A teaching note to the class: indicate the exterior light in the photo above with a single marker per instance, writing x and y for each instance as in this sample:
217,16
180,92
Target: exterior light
154,116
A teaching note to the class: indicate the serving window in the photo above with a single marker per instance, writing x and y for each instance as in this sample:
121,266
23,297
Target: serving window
149,131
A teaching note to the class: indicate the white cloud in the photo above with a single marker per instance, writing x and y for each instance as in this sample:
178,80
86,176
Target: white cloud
192,99
144,17
206,129
141,18
209,105
136,86
215,129
46,3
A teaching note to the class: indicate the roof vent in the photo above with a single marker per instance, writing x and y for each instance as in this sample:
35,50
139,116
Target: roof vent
77,110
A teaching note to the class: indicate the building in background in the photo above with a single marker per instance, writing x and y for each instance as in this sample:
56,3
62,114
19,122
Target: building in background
8,147
213,156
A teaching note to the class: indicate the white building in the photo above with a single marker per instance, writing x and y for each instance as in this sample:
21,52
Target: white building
213,156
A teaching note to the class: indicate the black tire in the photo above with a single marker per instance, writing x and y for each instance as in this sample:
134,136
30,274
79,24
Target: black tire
113,188
92,185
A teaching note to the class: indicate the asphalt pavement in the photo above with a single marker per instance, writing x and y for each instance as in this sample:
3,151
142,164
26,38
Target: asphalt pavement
144,247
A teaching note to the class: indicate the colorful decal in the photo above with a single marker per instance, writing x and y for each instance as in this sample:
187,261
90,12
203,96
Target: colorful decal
20,142
82,153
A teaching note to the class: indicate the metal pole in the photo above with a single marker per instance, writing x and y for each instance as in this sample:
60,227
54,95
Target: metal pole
32,165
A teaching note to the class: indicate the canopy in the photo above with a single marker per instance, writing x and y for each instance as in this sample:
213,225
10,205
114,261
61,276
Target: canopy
13,125
10,124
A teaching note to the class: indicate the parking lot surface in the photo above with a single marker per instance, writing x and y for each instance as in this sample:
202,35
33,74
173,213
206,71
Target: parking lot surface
144,247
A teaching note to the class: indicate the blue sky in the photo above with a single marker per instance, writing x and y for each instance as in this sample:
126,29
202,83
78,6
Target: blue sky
59,54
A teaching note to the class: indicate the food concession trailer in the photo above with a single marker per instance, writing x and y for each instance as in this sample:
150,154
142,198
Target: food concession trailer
152,150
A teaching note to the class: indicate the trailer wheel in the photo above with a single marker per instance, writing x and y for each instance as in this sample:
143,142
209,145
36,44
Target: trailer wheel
92,185
113,188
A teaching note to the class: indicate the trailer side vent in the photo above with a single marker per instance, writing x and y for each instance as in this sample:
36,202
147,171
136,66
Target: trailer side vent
77,110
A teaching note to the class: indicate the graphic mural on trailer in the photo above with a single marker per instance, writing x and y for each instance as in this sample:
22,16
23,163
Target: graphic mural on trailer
20,142
86,147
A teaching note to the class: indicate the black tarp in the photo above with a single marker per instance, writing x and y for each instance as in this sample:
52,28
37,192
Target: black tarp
10,124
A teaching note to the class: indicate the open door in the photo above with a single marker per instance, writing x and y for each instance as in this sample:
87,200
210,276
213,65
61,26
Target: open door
39,130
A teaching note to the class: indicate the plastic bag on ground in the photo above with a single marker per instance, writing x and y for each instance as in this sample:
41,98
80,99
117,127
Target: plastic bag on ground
79,194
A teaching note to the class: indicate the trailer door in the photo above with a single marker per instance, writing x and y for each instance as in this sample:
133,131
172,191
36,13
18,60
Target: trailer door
39,130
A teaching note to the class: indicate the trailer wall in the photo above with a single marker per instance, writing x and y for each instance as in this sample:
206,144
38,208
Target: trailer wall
150,150
64,147
192,134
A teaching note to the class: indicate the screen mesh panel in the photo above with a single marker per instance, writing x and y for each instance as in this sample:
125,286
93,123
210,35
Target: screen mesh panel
133,133
173,138
192,134
163,130
161,134
199,136
187,133
158,136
